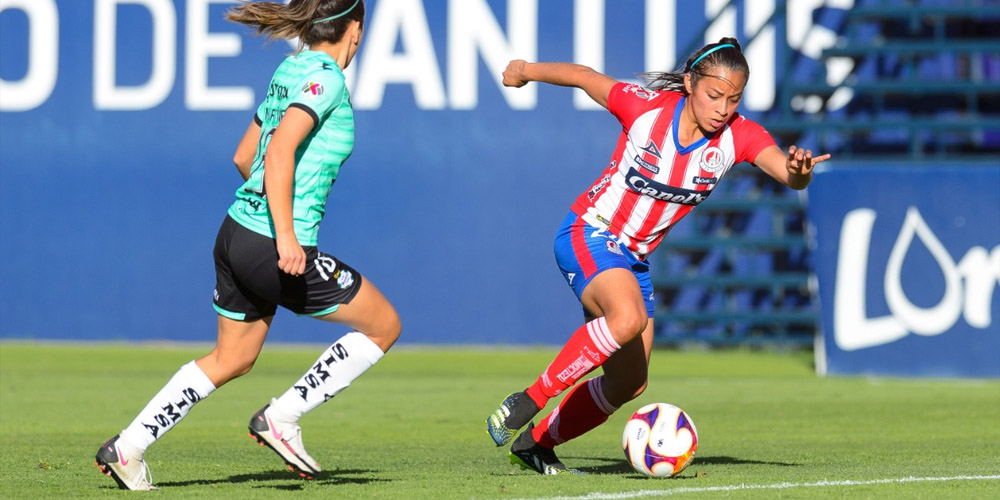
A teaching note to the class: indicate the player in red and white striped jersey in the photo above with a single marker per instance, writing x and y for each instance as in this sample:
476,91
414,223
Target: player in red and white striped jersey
680,135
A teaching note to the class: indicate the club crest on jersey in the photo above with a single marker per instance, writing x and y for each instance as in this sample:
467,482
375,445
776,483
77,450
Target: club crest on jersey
313,88
712,159
640,91
657,190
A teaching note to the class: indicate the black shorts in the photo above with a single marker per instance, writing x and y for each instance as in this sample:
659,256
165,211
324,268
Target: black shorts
250,286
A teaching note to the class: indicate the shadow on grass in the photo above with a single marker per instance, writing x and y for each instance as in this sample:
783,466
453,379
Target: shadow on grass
327,477
616,466
737,461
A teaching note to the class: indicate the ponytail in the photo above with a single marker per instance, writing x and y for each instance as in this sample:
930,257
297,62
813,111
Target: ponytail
726,52
311,21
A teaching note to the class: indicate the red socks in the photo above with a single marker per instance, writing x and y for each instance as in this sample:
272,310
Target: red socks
588,347
583,409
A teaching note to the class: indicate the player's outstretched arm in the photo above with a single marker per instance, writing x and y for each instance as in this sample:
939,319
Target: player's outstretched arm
596,85
793,169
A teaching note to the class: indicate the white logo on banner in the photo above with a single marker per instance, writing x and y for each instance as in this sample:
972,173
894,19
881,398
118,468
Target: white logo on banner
968,285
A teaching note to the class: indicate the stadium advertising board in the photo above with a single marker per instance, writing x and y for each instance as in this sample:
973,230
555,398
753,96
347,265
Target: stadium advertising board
908,261
118,121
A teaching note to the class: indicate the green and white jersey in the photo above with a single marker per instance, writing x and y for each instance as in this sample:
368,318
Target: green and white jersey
312,82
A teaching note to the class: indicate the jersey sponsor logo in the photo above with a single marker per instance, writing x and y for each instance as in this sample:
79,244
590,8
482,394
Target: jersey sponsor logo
652,149
705,180
576,369
712,159
177,406
647,165
272,115
600,185
320,373
277,90
641,92
644,185
250,204
313,88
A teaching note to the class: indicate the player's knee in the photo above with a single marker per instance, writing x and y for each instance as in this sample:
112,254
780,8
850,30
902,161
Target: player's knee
389,325
635,384
236,364
385,333
235,368
245,367
224,368
639,389
394,325
626,325
622,391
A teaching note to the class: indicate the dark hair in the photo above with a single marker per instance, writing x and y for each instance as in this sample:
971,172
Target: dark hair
304,19
729,57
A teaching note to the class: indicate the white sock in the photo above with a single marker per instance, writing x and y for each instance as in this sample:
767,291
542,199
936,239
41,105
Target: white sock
188,386
336,368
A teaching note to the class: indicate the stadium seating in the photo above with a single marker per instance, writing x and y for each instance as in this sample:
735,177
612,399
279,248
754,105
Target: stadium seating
925,85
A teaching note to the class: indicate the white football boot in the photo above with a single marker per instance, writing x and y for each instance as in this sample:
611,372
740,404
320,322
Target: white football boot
285,439
125,465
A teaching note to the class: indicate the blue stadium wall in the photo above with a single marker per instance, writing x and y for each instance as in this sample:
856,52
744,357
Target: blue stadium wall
118,119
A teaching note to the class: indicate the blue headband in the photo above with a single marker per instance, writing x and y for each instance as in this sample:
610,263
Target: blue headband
342,14
709,51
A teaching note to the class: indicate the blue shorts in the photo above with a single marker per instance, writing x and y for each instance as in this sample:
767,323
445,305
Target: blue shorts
584,251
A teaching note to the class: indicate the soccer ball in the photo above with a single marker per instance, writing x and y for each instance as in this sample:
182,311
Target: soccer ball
660,440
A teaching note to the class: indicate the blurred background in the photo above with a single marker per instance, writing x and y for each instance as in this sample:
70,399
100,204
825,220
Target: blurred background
119,118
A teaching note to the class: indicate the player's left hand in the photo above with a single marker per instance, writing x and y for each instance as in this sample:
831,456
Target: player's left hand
801,162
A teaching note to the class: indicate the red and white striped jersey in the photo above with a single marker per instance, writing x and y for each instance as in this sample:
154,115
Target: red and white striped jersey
652,182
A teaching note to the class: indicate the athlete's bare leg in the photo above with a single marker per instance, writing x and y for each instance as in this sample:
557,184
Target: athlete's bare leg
236,350
371,314
626,371
615,294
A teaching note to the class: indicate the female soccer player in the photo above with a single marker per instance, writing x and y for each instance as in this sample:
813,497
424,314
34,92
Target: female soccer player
680,134
265,253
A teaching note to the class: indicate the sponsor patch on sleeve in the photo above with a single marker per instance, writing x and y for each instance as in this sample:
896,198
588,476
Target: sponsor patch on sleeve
313,89
640,91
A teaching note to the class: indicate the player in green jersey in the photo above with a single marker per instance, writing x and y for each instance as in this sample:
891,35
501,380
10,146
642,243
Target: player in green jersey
265,253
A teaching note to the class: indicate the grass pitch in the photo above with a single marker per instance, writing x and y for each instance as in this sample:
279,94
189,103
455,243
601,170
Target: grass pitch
413,427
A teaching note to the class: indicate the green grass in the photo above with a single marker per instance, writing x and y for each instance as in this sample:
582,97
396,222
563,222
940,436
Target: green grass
412,428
